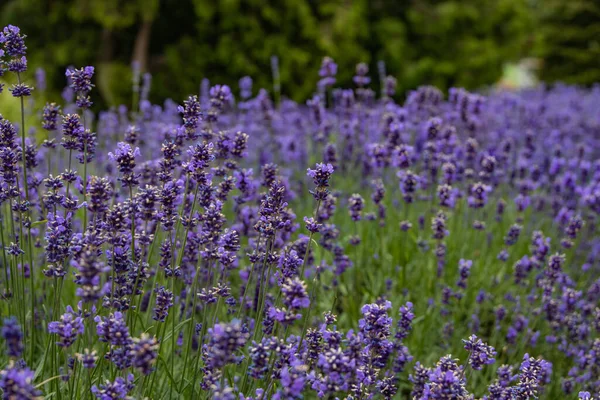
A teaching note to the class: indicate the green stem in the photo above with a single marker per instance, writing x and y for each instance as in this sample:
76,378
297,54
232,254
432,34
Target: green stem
306,319
200,340
160,346
4,262
263,283
26,189
132,226
309,242
191,326
243,302
173,341
192,292
85,163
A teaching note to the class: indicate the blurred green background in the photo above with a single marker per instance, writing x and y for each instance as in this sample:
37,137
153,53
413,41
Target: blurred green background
469,43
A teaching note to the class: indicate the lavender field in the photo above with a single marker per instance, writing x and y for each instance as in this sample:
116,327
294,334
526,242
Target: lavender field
237,245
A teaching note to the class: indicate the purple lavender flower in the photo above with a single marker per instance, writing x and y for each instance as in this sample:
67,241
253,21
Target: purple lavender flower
438,226
18,65
164,301
259,355
88,358
327,72
8,134
282,315
13,41
294,294
125,156
375,327
17,383
480,354
239,144
100,191
531,377
312,225
192,115
50,116
401,358
361,78
89,272
355,206
464,270
67,328
419,380
389,86
446,380
58,237
292,382
13,336
409,183
574,226
404,324
513,235
321,175
479,195
201,155
144,353
522,202
446,195
72,131
112,329
80,80
225,341
20,90
117,390
245,85
220,95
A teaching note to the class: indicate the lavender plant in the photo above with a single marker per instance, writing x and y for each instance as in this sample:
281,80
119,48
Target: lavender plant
352,247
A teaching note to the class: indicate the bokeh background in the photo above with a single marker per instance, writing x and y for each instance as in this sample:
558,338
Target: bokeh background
469,43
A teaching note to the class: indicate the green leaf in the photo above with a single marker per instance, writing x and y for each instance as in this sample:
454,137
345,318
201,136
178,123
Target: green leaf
177,329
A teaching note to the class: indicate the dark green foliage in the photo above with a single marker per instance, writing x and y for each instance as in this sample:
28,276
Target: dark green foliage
440,42
571,41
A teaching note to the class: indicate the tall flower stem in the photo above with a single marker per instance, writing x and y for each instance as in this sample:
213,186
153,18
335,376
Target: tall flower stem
164,326
19,283
173,341
200,340
85,164
192,292
307,317
29,243
192,326
314,284
69,169
4,261
243,302
150,252
132,226
309,242
263,284
23,152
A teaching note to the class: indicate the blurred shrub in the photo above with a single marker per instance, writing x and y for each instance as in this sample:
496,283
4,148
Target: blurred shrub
441,42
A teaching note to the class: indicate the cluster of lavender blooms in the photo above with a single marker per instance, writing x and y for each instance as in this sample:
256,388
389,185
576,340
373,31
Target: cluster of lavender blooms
159,251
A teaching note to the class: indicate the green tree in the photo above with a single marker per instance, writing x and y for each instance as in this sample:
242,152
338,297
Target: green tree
570,41
440,42
234,38
452,42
